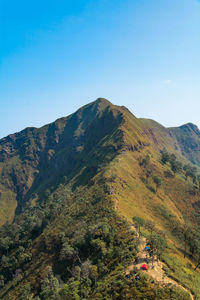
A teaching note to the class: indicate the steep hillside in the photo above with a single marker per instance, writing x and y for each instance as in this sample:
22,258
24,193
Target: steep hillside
185,139
71,186
167,193
34,161
188,137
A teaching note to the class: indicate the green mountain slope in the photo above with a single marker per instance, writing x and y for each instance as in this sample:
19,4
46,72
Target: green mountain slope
185,139
72,185
34,161
188,137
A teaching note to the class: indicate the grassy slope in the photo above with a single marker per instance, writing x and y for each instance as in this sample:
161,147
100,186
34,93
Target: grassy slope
112,146
132,196
188,136
34,161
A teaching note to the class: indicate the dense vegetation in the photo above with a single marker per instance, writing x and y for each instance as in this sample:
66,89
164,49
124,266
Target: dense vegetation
186,233
67,191
86,254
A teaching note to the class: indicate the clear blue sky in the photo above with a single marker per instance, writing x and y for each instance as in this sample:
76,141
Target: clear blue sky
57,55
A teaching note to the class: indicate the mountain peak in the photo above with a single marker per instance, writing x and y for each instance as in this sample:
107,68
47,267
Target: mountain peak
102,103
103,100
190,127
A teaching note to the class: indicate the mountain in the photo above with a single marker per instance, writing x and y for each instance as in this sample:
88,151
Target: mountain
35,160
188,137
69,191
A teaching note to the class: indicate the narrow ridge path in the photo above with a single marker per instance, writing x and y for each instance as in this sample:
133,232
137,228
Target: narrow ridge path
157,273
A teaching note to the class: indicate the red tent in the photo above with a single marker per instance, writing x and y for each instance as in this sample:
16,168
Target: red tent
144,267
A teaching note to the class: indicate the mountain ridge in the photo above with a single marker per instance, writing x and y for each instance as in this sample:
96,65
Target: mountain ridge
70,187
34,148
26,155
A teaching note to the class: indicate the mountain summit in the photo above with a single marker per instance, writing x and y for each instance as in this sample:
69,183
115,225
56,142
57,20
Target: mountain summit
34,159
69,191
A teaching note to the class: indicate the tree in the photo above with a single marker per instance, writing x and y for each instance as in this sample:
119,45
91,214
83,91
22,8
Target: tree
67,251
138,222
5,244
71,291
26,293
158,181
99,245
49,286
150,226
164,156
85,268
190,171
176,166
145,161
172,157
157,245
94,273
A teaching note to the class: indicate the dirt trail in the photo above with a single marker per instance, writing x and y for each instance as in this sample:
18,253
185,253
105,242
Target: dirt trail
157,273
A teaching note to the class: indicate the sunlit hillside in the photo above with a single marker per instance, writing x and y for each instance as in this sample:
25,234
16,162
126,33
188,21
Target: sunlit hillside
69,193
